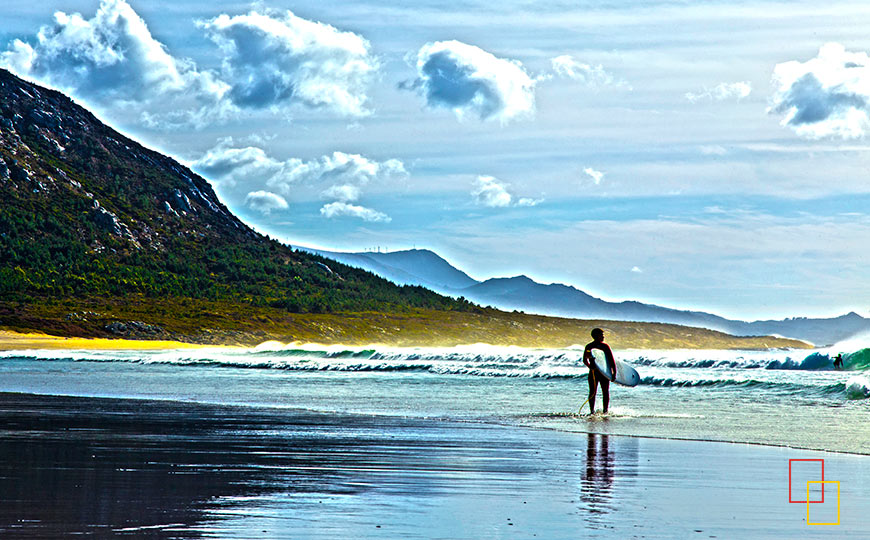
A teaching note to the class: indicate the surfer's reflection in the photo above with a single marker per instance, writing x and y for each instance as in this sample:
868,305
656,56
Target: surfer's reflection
597,482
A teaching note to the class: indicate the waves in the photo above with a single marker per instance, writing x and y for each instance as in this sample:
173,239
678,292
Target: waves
817,361
479,361
858,387
769,371
857,390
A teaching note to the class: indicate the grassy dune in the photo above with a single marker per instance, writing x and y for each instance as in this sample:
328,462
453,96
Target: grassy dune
204,322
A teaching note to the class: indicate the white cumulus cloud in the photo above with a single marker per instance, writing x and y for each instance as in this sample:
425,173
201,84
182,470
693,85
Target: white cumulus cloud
111,57
230,165
491,192
721,92
337,209
473,82
592,75
339,177
345,173
595,175
265,201
271,60
277,58
826,95
343,192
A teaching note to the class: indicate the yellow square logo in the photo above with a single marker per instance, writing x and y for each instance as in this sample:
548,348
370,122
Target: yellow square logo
823,482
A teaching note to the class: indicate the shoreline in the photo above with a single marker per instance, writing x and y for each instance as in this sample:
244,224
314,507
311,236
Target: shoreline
186,470
11,340
14,341
480,422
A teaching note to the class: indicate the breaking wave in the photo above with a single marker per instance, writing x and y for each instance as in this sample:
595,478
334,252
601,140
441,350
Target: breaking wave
711,369
855,388
858,387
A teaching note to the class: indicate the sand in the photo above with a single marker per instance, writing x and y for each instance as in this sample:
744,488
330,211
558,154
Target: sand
14,341
103,467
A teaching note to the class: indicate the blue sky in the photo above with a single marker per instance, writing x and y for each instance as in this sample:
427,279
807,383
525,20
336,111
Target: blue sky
707,155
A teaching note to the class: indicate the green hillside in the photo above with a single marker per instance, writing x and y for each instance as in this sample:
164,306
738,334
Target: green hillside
88,213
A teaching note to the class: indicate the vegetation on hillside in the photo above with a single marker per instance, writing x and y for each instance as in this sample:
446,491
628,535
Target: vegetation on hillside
89,213
216,322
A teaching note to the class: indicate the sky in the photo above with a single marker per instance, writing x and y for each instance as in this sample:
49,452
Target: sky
698,155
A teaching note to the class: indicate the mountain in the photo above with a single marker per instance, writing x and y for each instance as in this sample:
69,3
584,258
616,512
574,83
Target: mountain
409,267
521,293
88,213
100,236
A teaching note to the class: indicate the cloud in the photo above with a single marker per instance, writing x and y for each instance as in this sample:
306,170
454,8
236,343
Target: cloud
343,193
277,58
270,60
110,58
347,173
721,92
826,95
596,176
489,192
636,270
337,209
339,177
265,201
473,82
492,193
229,165
567,67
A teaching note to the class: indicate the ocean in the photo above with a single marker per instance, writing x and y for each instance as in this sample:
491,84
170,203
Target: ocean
791,398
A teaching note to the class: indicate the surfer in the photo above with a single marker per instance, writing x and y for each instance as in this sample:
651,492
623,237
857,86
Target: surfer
838,361
595,377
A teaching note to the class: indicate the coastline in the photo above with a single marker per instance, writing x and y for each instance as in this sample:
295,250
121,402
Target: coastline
186,470
216,323
14,341
24,340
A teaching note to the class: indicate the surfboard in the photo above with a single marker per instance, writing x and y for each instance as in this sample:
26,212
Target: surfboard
625,374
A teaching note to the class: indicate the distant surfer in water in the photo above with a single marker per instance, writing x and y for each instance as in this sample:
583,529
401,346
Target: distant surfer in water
595,377
838,361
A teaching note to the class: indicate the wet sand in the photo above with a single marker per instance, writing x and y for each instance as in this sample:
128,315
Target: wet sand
162,469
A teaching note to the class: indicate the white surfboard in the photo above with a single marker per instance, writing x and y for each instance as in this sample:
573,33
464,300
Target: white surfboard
625,374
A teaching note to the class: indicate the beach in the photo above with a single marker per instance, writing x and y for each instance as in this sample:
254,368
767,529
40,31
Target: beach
25,341
290,441
164,469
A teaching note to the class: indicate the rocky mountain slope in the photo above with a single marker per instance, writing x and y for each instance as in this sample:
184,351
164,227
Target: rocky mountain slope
88,213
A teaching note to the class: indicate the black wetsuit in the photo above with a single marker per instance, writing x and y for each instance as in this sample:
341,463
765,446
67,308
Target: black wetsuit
595,377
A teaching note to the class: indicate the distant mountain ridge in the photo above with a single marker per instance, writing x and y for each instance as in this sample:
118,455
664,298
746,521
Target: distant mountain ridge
426,268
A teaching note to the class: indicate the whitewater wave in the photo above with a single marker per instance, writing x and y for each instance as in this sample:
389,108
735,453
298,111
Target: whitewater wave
711,369
558,365
816,361
858,387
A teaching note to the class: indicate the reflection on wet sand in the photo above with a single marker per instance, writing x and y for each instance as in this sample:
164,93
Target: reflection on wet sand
608,470
597,482
180,470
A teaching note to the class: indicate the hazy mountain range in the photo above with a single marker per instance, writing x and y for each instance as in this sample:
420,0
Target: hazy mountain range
426,268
